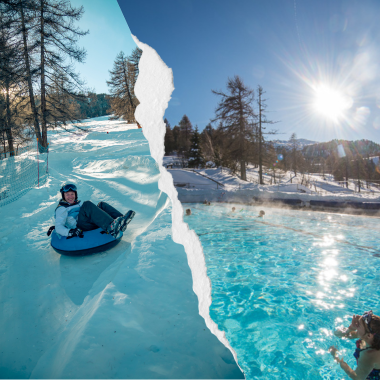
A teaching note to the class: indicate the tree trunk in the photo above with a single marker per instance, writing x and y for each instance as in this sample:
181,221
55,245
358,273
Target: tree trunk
260,145
357,165
8,129
243,174
5,152
295,162
323,168
43,142
29,77
128,91
346,172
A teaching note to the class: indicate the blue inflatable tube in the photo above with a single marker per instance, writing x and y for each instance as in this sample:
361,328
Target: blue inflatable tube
92,242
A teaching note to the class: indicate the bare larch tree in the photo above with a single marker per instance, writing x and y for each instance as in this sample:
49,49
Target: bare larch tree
122,84
236,115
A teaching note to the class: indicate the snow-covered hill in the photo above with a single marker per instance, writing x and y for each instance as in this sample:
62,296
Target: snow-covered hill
192,187
301,143
129,312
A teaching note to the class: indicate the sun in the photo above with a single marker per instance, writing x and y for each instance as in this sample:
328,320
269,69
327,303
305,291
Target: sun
331,103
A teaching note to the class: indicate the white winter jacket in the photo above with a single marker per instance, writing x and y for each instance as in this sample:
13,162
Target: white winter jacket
66,218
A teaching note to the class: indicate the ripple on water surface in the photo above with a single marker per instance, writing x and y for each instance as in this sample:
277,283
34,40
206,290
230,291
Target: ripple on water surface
282,284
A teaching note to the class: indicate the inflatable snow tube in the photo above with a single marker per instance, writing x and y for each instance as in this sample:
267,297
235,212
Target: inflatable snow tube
92,242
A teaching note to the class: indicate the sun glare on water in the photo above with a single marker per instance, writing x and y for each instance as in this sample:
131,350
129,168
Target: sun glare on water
331,103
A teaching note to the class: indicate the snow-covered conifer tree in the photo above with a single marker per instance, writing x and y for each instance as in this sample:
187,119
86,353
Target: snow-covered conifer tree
195,153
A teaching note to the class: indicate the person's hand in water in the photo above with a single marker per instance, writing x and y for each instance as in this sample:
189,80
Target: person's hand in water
334,353
354,323
366,328
349,332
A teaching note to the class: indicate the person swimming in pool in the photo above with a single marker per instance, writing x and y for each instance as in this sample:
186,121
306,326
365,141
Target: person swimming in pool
367,352
232,212
188,212
261,214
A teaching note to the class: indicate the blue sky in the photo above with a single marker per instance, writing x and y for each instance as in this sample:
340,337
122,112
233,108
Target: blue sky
109,34
299,51
308,56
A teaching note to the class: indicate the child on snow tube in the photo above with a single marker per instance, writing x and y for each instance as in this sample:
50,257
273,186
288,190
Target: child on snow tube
367,353
72,216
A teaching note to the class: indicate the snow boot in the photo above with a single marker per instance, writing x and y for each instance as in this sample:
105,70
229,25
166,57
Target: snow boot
127,218
119,225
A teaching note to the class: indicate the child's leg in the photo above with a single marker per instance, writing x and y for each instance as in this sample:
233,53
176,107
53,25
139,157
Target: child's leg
109,210
91,217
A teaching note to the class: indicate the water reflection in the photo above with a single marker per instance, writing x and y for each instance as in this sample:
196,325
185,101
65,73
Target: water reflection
287,283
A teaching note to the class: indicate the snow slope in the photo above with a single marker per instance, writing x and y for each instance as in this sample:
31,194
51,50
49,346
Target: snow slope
191,179
287,182
129,312
236,190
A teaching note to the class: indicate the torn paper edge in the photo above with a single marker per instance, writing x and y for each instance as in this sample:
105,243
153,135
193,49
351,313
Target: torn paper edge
153,88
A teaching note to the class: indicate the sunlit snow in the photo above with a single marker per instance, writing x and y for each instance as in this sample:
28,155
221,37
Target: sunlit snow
129,312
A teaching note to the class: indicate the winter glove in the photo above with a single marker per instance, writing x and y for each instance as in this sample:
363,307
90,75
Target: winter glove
75,232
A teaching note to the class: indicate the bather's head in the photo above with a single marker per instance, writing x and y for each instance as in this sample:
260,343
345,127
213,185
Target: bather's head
369,329
261,213
233,209
188,211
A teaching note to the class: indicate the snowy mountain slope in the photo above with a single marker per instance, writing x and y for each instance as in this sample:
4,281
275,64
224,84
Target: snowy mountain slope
126,312
301,143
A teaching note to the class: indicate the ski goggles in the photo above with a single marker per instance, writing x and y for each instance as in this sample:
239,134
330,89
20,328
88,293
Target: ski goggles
367,316
69,187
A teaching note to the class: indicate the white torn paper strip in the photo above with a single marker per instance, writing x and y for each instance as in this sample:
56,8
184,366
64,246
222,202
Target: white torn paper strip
153,88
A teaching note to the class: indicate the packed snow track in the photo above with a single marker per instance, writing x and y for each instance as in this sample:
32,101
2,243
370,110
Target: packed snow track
129,312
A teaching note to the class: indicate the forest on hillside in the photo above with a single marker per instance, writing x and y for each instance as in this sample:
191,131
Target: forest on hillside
237,136
39,88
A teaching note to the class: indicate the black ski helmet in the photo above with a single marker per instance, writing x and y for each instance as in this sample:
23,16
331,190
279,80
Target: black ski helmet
67,187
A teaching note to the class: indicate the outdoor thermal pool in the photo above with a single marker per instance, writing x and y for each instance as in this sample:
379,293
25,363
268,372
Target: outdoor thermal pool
283,283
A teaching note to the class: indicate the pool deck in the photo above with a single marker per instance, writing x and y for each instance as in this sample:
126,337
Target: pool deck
346,207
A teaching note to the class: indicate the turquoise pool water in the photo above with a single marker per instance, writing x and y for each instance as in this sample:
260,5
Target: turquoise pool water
282,284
